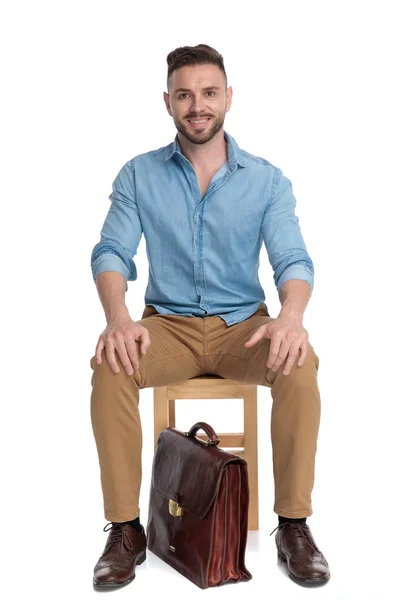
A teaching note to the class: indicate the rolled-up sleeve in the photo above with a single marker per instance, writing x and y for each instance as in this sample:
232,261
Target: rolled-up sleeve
121,231
282,236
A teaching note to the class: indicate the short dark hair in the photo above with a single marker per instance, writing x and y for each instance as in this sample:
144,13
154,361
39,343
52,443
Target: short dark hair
194,55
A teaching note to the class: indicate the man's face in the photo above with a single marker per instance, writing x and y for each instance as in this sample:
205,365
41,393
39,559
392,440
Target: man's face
197,92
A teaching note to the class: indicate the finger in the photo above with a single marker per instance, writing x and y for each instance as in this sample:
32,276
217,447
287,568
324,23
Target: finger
133,355
99,349
110,352
294,349
144,341
273,351
283,352
143,348
123,355
256,337
303,354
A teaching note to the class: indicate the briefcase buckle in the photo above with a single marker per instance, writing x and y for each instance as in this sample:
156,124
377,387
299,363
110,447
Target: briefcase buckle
174,509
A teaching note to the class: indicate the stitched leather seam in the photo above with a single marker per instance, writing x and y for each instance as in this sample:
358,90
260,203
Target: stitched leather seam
225,515
239,507
211,537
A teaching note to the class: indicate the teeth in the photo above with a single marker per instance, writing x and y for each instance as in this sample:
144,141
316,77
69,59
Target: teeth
201,121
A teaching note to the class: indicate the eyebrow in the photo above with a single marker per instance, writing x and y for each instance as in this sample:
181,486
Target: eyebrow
210,87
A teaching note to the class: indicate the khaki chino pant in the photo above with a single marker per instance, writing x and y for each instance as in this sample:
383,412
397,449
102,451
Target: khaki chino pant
185,347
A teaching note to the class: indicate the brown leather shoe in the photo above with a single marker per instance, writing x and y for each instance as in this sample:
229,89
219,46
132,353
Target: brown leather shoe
125,548
297,549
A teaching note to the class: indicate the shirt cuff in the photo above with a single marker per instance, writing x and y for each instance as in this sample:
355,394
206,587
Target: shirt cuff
296,272
110,262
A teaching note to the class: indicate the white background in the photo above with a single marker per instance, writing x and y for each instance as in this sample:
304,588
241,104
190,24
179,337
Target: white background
315,93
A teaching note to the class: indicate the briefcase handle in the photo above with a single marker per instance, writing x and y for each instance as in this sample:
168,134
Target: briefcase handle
213,438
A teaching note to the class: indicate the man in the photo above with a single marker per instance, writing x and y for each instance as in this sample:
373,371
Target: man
204,206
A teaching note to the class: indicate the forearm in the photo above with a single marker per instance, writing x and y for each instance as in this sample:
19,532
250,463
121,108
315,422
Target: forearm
111,287
294,295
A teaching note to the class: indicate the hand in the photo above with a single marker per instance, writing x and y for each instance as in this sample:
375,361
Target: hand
121,335
287,335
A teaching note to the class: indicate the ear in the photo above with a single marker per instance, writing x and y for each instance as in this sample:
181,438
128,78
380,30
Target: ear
229,93
166,100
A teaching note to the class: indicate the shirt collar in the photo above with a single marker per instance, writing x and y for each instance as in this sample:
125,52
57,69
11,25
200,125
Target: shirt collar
234,152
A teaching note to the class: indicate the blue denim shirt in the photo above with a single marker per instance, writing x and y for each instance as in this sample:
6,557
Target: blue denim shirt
203,253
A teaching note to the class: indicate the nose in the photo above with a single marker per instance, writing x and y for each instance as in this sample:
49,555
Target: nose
198,104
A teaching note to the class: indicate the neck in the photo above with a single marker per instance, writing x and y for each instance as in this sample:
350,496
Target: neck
205,157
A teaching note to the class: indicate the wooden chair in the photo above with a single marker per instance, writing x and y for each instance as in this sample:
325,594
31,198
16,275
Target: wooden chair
243,444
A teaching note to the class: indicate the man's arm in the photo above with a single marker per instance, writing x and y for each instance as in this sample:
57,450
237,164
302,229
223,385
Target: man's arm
287,253
294,296
111,288
120,237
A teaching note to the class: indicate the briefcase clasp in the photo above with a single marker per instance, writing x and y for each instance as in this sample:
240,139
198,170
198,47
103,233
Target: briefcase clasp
174,509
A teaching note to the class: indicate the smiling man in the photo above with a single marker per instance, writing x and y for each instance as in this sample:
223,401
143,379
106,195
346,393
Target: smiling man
204,206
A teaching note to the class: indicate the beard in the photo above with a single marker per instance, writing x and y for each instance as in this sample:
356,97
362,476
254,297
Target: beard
200,137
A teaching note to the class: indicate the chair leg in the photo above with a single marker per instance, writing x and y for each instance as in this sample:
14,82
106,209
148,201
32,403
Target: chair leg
171,412
251,450
161,411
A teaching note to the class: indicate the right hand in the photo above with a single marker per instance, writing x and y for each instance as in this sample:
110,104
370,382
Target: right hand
120,335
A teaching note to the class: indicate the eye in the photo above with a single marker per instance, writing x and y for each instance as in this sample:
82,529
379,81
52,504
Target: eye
210,92
184,94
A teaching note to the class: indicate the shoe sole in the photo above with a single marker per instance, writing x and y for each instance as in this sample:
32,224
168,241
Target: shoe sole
307,580
108,585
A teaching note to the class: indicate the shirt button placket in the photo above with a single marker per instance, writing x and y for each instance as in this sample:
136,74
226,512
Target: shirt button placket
198,251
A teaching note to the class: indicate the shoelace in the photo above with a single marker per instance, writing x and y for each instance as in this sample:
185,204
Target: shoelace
302,530
118,535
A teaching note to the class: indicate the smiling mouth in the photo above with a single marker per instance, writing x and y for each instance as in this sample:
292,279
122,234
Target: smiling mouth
199,123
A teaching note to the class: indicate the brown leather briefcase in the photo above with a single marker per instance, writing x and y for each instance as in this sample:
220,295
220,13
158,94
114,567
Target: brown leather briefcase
198,509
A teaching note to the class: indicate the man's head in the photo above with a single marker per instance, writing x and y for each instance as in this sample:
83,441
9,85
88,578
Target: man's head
197,88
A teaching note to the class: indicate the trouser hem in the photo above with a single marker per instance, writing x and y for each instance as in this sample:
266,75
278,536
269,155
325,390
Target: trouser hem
121,518
300,514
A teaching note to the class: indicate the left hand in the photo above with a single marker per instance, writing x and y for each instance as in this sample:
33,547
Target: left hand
287,335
